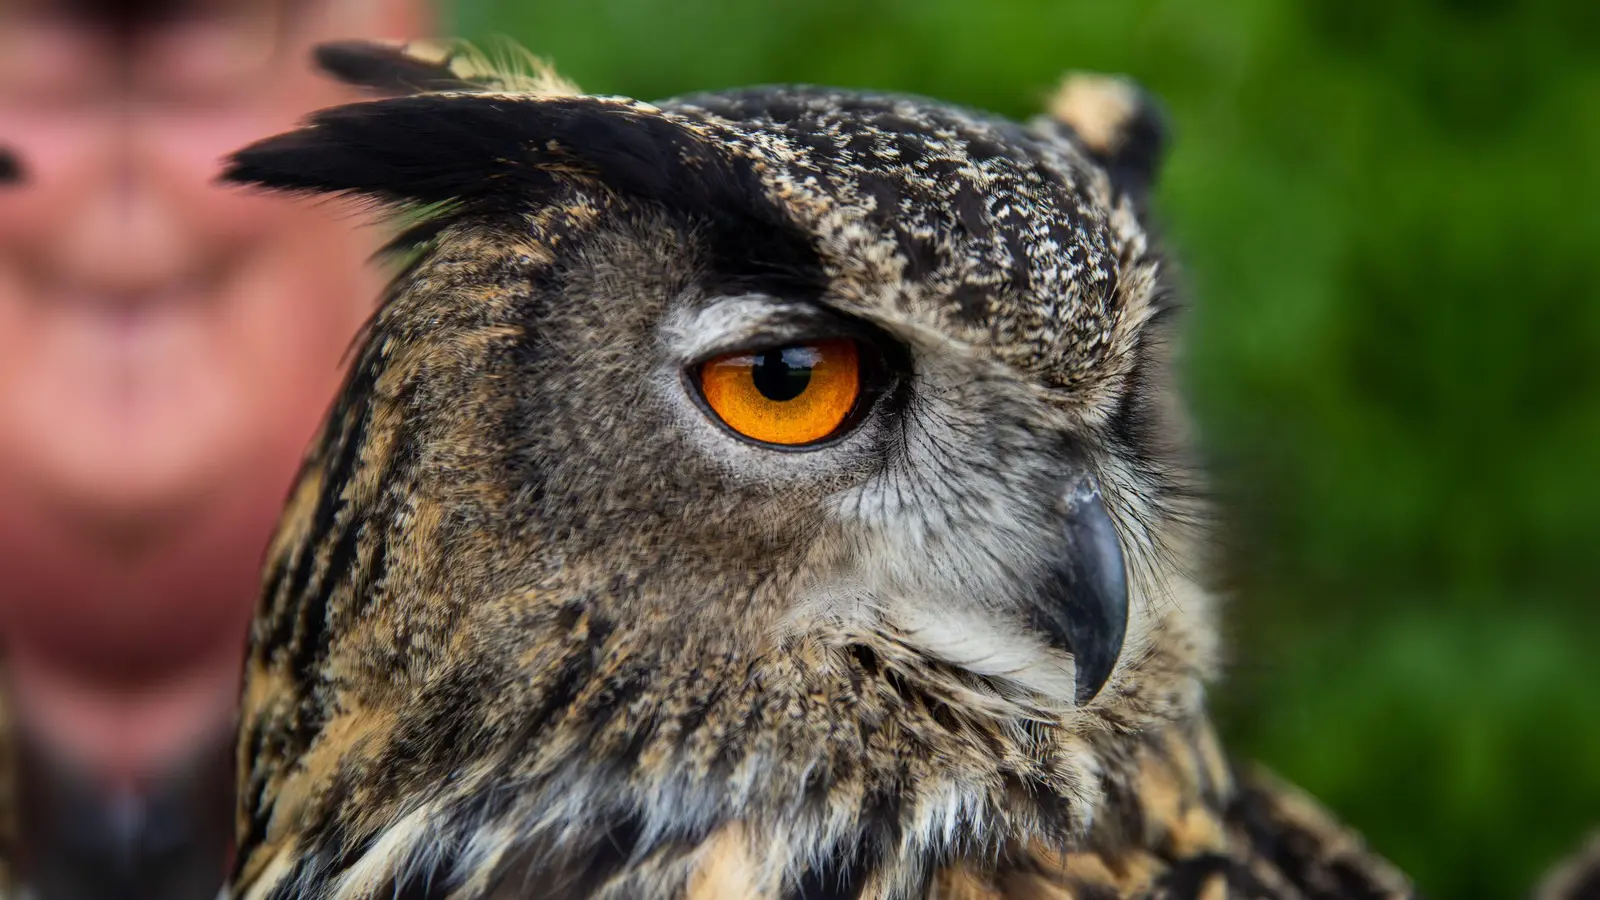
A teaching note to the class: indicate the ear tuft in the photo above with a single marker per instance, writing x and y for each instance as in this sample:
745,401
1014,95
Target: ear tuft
415,67
488,154
414,151
1118,123
452,125
498,151
1573,878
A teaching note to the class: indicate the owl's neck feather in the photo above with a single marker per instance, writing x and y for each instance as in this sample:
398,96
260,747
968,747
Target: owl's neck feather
852,761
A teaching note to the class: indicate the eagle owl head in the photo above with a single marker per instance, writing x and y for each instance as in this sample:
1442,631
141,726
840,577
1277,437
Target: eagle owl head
749,493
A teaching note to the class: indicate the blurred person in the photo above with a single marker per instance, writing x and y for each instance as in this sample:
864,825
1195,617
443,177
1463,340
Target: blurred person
167,347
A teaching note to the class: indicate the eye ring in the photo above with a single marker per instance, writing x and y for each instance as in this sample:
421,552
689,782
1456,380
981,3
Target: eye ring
799,396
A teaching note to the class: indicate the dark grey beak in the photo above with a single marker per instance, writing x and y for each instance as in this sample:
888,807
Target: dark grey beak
1082,604
10,170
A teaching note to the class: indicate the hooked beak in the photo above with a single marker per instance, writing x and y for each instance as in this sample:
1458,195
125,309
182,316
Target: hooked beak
1082,603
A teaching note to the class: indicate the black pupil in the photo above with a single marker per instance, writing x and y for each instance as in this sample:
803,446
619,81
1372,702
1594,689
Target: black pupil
782,374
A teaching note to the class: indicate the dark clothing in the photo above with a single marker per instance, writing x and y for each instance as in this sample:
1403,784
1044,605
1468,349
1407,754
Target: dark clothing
82,841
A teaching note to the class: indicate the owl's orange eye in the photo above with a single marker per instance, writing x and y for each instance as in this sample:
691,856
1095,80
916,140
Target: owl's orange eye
791,396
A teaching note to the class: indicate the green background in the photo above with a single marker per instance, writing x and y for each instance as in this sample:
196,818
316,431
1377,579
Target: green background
1388,214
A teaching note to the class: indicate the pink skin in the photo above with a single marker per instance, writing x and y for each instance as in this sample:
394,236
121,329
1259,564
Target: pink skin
167,347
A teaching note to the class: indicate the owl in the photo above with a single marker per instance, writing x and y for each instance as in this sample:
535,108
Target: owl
771,494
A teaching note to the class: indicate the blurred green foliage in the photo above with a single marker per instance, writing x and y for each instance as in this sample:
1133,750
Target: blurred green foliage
1389,215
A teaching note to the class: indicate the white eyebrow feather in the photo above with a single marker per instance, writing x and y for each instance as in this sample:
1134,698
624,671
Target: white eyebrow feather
694,332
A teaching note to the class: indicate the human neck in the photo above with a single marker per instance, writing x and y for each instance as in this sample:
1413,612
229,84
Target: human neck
124,732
